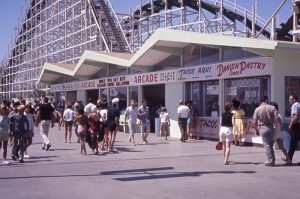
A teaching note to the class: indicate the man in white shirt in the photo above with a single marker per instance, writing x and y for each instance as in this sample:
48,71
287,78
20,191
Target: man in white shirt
88,107
183,115
294,125
132,113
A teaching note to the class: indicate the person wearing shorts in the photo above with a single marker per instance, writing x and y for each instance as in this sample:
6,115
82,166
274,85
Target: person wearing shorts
113,115
4,131
226,136
68,116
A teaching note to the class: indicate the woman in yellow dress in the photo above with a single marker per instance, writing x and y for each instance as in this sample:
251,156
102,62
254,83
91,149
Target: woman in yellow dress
238,125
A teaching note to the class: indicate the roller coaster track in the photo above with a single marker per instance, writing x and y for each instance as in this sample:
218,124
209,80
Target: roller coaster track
229,11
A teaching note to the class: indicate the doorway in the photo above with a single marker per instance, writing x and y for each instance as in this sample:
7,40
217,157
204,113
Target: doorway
93,94
155,95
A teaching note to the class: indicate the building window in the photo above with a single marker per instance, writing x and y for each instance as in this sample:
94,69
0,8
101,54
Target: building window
248,91
209,55
291,87
134,93
205,97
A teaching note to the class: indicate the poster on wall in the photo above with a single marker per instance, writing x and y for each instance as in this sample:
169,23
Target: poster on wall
212,90
232,91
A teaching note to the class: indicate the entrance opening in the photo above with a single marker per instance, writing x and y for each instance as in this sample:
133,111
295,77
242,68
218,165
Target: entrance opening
155,95
93,94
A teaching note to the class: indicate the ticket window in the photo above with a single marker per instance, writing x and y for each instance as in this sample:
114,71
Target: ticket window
248,91
205,97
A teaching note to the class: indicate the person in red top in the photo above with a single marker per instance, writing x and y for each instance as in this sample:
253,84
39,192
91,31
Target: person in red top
94,119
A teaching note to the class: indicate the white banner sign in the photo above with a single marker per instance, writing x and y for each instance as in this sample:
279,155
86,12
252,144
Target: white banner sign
239,68
248,67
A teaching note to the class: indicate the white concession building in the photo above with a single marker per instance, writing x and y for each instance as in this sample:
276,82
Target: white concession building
209,69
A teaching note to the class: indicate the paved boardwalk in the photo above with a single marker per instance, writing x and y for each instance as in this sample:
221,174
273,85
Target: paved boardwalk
157,170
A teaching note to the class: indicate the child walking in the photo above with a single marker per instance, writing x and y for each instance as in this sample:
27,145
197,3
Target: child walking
164,122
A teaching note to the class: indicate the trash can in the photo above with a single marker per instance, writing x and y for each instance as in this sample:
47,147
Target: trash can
157,127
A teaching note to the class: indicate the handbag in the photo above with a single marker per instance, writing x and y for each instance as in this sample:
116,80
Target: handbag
219,146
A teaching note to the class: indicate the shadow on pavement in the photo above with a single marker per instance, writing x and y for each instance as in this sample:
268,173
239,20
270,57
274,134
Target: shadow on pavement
61,149
145,174
125,149
254,163
152,173
42,157
48,176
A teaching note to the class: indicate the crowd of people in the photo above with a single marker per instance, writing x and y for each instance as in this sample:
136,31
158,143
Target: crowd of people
268,124
96,124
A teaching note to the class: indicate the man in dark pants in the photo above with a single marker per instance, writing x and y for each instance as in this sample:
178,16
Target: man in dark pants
294,125
19,125
45,117
183,115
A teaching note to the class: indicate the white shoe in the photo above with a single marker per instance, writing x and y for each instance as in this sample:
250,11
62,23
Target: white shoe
6,162
114,150
144,142
26,156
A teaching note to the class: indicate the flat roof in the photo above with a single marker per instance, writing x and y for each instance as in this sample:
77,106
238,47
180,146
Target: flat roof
162,44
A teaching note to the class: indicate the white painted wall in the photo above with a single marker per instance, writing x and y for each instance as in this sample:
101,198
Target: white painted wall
81,96
286,63
174,93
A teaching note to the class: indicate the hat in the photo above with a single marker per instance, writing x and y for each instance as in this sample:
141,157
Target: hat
94,109
115,101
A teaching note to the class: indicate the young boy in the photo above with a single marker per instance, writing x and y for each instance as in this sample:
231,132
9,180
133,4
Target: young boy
4,134
19,126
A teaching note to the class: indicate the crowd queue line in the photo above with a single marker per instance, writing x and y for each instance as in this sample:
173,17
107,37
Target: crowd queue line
96,125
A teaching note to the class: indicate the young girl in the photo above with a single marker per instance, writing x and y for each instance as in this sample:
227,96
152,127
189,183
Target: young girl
278,136
82,129
164,122
4,134
29,112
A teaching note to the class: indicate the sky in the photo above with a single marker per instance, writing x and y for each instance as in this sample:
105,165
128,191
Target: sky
12,11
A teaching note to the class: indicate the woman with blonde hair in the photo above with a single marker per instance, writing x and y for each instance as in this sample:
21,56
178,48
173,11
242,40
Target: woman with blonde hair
238,122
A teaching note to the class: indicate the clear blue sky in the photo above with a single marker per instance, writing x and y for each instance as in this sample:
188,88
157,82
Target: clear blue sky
10,12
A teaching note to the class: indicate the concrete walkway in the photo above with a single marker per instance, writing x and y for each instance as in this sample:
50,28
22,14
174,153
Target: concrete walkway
158,170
